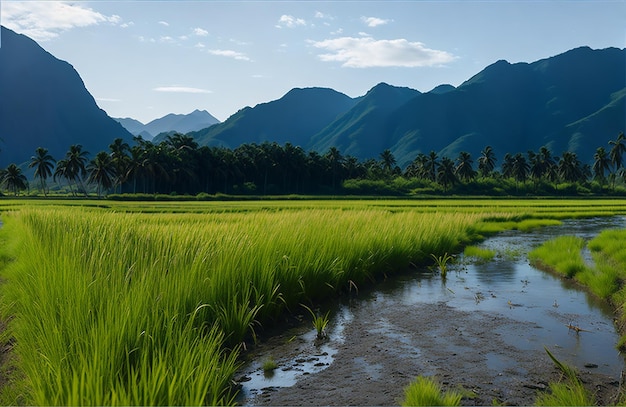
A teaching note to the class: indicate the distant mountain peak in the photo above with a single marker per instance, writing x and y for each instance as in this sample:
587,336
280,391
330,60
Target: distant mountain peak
172,122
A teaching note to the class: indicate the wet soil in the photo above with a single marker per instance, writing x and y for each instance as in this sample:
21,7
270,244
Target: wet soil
464,350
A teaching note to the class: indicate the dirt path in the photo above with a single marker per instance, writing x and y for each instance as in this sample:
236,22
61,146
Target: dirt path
380,356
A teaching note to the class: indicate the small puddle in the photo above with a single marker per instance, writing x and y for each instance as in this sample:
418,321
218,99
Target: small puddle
506,287
297,354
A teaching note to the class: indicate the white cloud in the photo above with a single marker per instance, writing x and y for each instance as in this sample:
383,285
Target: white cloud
180,89
199,45
128,24
374,21
165,23
200,32
167,39
230,54
323,16
367,52
45,20
289,21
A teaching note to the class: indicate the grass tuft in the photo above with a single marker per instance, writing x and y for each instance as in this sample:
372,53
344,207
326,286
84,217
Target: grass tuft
479,253
424,391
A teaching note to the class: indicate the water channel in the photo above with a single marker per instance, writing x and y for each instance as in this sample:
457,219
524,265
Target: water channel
489,315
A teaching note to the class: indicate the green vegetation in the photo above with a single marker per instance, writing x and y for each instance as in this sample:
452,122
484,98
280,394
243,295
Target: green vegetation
442,263
178,165
269,365
569,392
562,254
604,277
104,304
479,252
321,321
425,391
113,302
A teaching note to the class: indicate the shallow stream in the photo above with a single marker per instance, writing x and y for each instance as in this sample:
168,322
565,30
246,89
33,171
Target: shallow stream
505,288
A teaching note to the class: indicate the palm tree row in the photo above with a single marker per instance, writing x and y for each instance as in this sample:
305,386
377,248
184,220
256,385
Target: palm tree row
179,165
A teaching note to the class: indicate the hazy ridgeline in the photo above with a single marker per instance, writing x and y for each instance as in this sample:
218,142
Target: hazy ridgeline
129,308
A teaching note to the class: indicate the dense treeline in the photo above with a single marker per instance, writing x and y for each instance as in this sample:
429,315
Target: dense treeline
179,166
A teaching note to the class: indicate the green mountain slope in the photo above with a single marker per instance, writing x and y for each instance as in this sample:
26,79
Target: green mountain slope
294,118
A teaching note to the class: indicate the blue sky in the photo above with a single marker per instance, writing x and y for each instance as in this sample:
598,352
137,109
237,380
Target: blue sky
144,59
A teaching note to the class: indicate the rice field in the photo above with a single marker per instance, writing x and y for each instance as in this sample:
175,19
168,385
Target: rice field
126,303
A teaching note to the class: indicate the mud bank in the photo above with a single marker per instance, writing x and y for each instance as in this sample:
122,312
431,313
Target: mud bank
463,350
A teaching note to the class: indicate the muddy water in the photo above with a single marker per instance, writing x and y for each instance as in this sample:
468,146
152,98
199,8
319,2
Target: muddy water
521,308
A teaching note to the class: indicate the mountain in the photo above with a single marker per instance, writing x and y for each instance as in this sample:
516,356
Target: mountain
181,123
296,118
569,102
44,103
574,101
367,120
132,125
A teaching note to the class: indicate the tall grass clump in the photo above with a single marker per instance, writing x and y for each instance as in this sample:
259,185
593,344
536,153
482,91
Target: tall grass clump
424,391
562,255
568,392
479,253
604,278
115,308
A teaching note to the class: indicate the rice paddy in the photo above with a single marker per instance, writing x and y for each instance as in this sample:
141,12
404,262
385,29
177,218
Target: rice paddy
127,303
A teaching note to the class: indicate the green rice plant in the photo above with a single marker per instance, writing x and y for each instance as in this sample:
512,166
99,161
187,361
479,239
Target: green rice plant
269,365
562,254
121,302
479,253
442,263
569,392
319,322
424,391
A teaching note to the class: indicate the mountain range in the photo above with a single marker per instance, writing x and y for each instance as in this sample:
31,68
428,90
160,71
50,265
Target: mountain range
574,101
44,103
181,123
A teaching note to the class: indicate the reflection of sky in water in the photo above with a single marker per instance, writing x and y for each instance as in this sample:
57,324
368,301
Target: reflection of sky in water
507,286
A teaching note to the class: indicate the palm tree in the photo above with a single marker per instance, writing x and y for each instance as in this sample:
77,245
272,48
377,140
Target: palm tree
615,154
463,167
520,168
76,159
601,164
486,161
445,173
507,165
617,151
388,161
121,160
431,166
570,169
101,171
13,179
62,171
335,160
43,164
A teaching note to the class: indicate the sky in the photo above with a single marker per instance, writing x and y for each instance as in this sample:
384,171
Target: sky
144,59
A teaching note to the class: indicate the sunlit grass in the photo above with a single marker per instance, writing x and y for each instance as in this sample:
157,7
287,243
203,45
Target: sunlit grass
568,392
131,303
130,308
424,391
562,254
479,253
